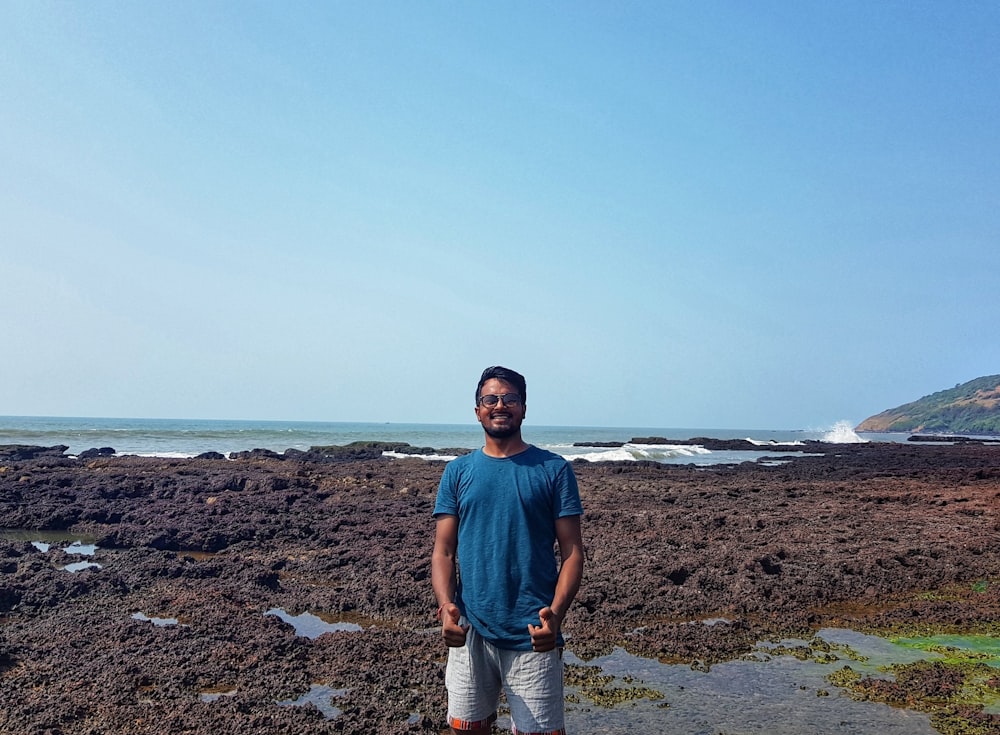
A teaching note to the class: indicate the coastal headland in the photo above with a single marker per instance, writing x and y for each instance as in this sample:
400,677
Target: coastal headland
170,624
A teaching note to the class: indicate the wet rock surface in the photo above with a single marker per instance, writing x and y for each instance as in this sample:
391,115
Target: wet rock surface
873,536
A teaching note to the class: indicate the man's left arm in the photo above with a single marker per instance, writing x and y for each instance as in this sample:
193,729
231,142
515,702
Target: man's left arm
544,637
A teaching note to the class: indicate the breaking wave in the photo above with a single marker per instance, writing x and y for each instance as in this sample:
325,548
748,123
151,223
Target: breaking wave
648,452
843,433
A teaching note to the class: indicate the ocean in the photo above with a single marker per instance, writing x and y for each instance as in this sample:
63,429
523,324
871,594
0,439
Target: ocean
190,437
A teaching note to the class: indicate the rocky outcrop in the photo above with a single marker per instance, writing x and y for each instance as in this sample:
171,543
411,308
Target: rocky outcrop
859,536
969,408
19,452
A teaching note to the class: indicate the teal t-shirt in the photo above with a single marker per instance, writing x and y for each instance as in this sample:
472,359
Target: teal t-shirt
506,510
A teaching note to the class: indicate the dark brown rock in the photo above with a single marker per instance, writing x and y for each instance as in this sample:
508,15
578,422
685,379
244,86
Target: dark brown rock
855,535
22,452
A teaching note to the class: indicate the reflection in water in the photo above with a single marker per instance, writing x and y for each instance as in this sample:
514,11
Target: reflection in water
43,541
80,548
79,566
312,626
46,537
770,692
212,694
321,697
158,622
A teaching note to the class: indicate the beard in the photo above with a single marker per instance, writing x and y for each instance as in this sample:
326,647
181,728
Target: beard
504,432
504,429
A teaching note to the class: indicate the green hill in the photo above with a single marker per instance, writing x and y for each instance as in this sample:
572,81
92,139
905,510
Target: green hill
969,408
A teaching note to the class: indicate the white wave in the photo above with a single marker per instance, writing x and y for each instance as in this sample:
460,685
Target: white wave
428,457
666,451
158,455
605,455
843,433
636,452
154,455
773,443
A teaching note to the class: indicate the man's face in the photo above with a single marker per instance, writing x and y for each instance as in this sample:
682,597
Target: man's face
501,421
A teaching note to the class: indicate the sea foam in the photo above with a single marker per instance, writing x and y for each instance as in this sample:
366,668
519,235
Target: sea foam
843,433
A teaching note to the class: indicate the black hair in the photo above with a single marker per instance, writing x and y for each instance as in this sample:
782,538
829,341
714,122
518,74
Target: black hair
508,376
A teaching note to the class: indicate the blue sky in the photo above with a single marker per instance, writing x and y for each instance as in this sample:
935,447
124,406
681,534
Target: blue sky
710,214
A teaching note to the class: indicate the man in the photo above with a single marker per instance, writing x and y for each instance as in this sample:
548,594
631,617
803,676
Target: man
500,511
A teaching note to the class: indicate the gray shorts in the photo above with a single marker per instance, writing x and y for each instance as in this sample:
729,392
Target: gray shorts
533,683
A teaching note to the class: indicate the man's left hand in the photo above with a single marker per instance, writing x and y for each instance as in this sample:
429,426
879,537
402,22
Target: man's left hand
545,636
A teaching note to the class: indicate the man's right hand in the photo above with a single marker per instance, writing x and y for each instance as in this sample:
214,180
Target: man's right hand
451,631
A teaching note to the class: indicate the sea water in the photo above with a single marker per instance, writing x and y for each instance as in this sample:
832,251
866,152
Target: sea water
190,437
766,693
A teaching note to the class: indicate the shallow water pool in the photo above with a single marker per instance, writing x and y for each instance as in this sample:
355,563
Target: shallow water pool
313,626
771,692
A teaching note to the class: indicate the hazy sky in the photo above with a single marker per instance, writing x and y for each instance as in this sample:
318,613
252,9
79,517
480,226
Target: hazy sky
711,214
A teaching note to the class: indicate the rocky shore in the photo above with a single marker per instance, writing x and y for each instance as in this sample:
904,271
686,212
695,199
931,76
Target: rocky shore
871,536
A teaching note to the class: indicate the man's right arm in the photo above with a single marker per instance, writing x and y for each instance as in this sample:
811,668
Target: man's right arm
443,568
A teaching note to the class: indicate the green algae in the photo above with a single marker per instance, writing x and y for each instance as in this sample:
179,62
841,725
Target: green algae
603,690
816,650
955,694
957,684
774,694
954,593
955,648
927,673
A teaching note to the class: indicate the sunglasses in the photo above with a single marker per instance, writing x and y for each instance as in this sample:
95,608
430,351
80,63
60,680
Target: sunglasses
509,399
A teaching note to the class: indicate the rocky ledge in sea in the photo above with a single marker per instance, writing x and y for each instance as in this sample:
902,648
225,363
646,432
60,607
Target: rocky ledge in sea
176,630
719,445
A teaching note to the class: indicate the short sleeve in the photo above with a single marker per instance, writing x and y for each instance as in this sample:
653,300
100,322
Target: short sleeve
569,493
446,502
